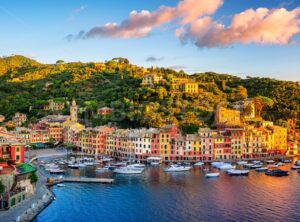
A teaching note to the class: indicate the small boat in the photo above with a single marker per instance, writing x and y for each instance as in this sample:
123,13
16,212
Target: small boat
89,163
107,159
277,173
241,163
261,169
287,161
270,161
255,166
154,163
56,171
128,170
273,166
60,185
256,162
280,164
177,168
216,164
295,167
297,162
212,175
199,163
226,167
248,165
73,166
137,165
238,172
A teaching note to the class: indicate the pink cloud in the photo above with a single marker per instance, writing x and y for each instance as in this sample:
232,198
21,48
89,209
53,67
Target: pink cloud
262,26
140,24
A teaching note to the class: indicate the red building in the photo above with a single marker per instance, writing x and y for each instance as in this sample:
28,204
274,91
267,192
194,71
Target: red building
12,151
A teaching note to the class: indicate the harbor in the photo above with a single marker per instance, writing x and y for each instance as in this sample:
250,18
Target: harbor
183,196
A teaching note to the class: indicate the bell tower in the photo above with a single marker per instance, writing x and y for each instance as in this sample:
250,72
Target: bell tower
74,111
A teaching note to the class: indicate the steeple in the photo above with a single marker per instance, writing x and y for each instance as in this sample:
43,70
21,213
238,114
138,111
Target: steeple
73,111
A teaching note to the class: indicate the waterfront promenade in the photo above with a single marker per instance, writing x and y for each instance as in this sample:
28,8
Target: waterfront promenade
24,210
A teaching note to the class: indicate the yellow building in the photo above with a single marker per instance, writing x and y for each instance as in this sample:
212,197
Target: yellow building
228,117
165,145
184,85
190,87
277,138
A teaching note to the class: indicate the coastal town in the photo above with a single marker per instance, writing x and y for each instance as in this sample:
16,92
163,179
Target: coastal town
233,139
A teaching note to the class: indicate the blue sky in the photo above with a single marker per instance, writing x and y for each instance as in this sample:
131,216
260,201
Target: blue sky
38,29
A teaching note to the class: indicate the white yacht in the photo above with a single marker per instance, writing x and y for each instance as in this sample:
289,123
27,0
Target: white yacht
154,160
199,163
128,170
216,164
226,167
241,163
137,165
177,168
238,172
212,175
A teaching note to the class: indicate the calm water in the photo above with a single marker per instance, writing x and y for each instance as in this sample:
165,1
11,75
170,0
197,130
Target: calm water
159,196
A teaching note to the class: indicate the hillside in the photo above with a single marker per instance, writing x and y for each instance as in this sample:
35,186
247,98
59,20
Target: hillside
25,85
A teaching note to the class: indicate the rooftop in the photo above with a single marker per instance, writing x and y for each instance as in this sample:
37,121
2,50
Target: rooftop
25,168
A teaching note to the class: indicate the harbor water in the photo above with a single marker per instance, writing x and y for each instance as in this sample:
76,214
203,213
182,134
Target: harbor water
182,196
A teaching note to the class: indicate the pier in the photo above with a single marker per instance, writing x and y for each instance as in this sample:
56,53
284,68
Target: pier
53,181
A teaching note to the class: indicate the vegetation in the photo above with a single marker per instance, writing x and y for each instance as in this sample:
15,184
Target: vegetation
26,86
33,178
2,187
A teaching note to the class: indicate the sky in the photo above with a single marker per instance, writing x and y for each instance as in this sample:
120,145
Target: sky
240,37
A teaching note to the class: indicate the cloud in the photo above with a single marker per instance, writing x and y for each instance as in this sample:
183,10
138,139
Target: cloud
262,26
154,59
140,24
77,11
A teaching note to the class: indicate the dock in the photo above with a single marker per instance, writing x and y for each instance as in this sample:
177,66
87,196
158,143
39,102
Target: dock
53,181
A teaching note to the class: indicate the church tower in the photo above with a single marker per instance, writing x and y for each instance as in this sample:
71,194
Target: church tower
74,111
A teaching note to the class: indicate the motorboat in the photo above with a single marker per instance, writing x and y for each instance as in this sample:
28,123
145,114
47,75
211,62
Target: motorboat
73,166
280,164
297,162
57,171
226,167
154,160
277,173
241,163
60,185
270,161
128,170
216,164
199,163
261,169
107,159
287,160
255,166
154,163
89,163
177,168
137,165
248,165
212,175
234,172
256,162
295,167
273,166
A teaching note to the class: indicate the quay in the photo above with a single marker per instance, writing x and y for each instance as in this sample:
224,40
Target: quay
53,181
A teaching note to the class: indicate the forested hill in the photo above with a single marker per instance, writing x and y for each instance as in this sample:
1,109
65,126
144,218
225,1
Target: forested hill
26,85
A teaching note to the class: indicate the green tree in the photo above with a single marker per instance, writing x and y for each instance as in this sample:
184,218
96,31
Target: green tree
33,178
